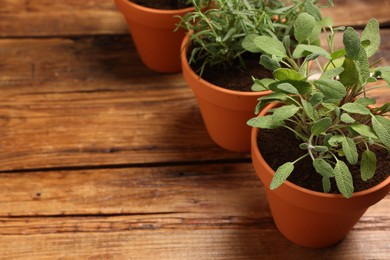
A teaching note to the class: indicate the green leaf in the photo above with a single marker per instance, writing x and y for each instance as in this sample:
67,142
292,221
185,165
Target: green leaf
281,175
249,43
384,73
316,98
285,112
363,66
270,46
261,84
343,179
386,76
355,108
304,146
303,26
368,165
303,50
265,122
302,86
352,43
324,168
327,22
269,63
332,89
346,118
350,150
365,101
287,74
313,10
287,42
350,75
371,33
321,126
288,88
332,73
313,38
335,140
364,130
274,96
381,127
309,109
338,54
326,185
320,148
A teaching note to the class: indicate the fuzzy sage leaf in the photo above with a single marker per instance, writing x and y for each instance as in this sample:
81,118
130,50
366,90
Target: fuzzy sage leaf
352,43
368,165
343,179
303,27
381,127
332,89
281,175
350,150
372,35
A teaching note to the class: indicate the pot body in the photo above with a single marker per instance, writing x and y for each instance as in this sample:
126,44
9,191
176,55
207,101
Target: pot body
309,218
153,33
224,112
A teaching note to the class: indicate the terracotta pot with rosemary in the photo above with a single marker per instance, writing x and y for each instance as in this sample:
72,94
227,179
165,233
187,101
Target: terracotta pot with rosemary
321,151
219,70
152,24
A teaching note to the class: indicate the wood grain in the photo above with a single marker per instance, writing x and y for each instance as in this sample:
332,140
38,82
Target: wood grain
357,12
180,212
181,189
220,244
44,18
90,101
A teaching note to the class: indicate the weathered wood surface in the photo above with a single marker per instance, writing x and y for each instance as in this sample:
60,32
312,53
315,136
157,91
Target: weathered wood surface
45,18
90,101
94,163
214,211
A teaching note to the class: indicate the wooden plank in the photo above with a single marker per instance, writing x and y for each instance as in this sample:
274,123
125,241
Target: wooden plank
357,12
183,212
250,242
90,101
157,190
20,18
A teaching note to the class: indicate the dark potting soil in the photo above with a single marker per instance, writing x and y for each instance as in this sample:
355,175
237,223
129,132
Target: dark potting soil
280,145
232,76
161,4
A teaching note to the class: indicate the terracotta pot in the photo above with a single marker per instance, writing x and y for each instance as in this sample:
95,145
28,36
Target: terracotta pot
310,218
153,33
224,112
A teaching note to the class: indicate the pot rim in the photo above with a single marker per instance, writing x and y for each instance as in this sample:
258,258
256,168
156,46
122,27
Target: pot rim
185,63
291,185
154,10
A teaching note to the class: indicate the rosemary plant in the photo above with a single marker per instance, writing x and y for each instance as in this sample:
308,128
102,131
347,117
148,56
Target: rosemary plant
331,114
217,32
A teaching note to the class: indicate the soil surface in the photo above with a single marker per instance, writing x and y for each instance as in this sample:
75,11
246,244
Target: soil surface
161,4
280,145
233,77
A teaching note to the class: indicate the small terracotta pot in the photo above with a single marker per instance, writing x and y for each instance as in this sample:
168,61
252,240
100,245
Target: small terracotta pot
310,218
153,33
224,112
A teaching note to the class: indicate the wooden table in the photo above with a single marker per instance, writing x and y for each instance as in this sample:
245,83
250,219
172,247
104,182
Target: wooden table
101,158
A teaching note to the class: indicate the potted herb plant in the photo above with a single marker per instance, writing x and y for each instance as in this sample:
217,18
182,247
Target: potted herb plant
219,70
152,24
323,149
